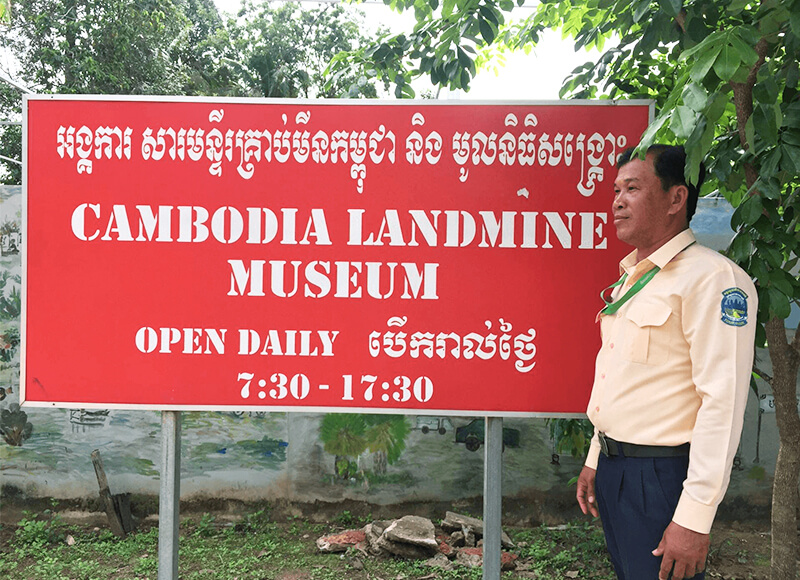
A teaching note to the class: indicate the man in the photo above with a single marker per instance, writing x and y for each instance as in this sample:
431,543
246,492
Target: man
671,378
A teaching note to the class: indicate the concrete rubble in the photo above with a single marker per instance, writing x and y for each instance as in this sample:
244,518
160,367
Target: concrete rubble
458,541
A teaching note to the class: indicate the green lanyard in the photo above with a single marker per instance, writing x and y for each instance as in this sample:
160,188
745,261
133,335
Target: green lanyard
612,307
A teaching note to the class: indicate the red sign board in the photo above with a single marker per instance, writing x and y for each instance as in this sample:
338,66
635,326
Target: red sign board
417,257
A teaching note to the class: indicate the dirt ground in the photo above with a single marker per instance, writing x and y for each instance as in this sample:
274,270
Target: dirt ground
740,550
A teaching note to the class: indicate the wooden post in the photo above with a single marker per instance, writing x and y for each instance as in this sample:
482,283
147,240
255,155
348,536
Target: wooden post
114,509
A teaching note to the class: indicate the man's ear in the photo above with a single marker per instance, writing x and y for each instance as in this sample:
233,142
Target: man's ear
678,198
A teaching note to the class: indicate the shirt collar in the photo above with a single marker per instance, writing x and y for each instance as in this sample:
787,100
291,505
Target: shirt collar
661,257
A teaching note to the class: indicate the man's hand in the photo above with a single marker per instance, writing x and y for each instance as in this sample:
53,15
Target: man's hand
586,496
683,548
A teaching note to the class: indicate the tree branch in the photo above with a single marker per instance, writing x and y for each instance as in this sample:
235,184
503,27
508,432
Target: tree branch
764,376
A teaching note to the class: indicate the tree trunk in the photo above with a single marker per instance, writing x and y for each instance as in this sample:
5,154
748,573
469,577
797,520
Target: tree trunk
785,359
381,461
785,365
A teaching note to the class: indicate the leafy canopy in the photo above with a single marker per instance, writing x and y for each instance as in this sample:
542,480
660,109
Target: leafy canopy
723,75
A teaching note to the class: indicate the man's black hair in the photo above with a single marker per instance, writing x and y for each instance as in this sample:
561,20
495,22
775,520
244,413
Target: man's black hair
669,162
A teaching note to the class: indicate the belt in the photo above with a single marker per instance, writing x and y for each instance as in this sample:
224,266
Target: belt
610,447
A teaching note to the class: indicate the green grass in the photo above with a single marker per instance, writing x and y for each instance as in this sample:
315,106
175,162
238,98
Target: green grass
256,548
576,547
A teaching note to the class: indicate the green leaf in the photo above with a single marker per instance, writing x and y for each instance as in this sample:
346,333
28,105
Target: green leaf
695,96
488,32
794,22
774,257
641,9
696,146
707,139
792,115
696,29
770,163
751,210
790,158
727,63
761,334
671,7
489,14
759,269
776,110
747,53
764,124
447,8
766,91
716,107
765,228
791,137
740,247
650,134
771,22
736,6
779,303
465,78
777,278
735,180
683,121
463,59
702,65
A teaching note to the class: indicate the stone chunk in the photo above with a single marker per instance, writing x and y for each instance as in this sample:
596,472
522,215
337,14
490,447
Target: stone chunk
413,530
342,541
453,522
473,558
457,539
373,533
469,558
439,561
403,550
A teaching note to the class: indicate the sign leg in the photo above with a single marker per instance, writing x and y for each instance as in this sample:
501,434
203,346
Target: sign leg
169,498
492,497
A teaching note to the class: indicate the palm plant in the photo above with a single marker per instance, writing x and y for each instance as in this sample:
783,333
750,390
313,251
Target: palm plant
342,436
386,438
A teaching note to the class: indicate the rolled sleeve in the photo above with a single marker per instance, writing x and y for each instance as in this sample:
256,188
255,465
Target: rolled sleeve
593,457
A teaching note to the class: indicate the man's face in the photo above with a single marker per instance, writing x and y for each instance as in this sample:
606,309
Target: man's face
641,206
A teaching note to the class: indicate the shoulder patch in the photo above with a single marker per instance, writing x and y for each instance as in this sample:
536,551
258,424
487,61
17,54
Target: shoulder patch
734,307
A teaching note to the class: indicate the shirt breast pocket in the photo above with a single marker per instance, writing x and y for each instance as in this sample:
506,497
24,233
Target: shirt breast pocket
646,339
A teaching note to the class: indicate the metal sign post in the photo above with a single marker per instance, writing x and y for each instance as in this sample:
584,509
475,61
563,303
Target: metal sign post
169,498
492,498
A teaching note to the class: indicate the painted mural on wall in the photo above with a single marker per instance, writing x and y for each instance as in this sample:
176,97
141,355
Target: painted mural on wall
14,425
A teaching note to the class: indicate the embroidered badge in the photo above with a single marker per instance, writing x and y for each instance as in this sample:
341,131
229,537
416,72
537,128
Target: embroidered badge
734,307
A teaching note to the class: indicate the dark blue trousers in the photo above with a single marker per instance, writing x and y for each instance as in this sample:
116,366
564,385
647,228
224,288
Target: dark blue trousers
637,499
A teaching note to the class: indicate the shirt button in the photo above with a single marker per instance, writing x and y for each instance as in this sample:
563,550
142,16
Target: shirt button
603,376
597,409
611,345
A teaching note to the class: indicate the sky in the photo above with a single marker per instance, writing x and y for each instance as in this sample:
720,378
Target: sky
536,76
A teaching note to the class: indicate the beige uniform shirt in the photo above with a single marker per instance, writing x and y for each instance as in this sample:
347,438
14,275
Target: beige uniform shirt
675,366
